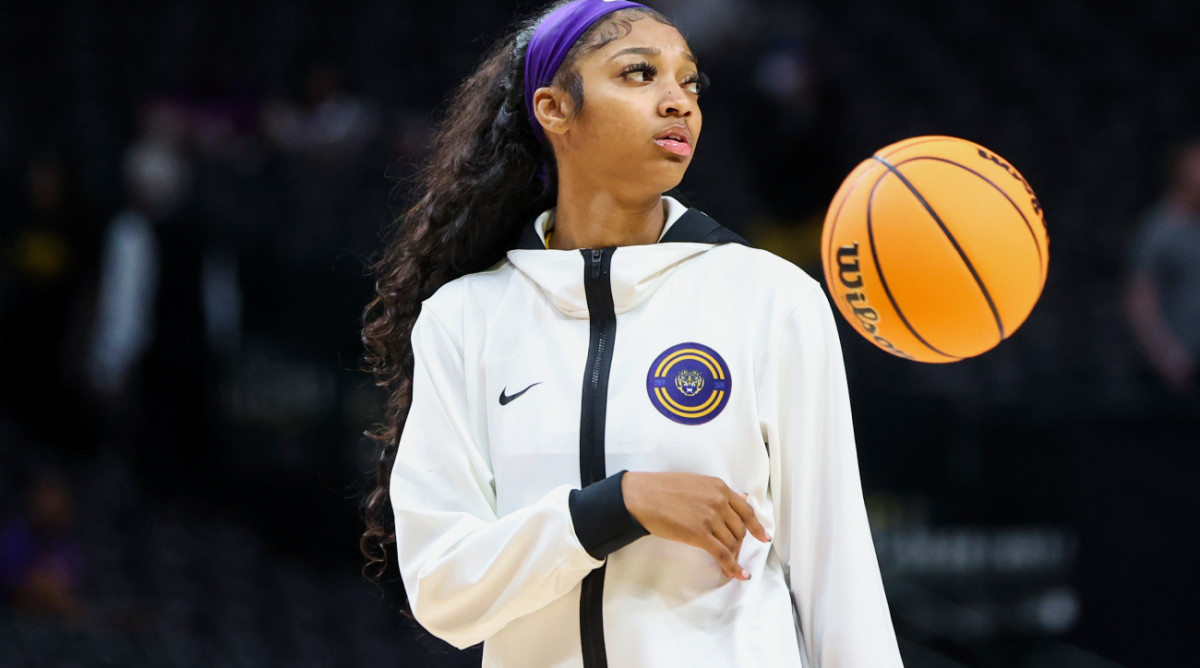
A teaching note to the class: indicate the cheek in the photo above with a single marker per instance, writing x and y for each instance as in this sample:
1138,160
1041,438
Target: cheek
623,133
613,122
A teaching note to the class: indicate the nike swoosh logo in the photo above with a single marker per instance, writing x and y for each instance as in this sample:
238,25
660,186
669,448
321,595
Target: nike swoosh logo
505,398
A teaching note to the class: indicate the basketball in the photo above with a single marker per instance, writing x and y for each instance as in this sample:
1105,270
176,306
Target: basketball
935,249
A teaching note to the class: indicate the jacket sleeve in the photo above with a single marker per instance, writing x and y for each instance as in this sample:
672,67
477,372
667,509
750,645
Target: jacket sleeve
822,536
468,572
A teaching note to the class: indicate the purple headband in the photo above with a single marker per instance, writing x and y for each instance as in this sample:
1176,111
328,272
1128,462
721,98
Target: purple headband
553,38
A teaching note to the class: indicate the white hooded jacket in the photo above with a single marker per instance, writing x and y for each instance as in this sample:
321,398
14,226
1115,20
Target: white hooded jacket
694,356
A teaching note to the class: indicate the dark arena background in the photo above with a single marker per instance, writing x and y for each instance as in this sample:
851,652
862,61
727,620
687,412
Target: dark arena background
181,405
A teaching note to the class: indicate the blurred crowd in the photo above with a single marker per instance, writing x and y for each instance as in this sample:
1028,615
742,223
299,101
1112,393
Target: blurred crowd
190,193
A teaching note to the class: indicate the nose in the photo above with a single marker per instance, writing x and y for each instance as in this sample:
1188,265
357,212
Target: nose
676,102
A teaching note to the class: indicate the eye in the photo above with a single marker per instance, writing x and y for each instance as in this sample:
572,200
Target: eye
696,83
640,72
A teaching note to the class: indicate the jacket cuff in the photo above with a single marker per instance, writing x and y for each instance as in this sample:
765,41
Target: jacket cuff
602,522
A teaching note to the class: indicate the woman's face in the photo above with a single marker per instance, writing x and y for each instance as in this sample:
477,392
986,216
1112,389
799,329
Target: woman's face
640,121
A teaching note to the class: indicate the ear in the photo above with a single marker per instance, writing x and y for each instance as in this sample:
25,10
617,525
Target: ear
552,108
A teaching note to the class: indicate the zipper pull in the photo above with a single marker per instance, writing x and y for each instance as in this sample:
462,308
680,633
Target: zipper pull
597,255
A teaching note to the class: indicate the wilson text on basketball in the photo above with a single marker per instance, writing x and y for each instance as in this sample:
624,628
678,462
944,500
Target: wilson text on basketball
850,276
1033,200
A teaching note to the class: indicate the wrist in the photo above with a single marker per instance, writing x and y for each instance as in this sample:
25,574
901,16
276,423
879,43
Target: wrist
631,491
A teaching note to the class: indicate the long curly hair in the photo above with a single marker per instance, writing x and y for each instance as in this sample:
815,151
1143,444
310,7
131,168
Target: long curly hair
479,187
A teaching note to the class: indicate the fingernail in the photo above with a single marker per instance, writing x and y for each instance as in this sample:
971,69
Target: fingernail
769,537
745,574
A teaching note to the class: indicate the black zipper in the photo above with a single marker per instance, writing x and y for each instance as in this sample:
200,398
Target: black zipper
598,288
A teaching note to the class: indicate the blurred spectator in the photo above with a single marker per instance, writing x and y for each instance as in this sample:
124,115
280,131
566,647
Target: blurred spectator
1163,298
166,304
39,558
217,109
321,115
321,131
46,267
157,179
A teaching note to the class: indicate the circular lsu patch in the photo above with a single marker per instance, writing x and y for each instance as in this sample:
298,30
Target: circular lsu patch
689,383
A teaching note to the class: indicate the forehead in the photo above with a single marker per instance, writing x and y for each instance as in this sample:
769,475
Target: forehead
645,32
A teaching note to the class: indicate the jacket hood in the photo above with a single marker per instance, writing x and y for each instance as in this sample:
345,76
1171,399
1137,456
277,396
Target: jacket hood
636,271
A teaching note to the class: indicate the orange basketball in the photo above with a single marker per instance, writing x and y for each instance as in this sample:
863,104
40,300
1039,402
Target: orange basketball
935,249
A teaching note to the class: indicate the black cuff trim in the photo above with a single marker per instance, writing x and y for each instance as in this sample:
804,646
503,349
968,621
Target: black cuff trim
602,522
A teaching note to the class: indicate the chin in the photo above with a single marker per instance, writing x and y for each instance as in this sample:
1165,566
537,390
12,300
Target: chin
668,178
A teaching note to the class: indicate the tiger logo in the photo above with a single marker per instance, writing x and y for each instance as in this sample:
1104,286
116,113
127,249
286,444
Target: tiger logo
689,382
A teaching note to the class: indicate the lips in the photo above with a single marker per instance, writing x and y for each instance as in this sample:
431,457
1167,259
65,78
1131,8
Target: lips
676,139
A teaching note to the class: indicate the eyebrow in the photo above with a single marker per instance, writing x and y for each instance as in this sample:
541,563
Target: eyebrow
651,51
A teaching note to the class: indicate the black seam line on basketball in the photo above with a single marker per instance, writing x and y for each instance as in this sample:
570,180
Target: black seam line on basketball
505,399
837,216
1032,235
883,280
954,242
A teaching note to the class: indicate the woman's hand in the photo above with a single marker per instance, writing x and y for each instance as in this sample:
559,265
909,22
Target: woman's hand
696,510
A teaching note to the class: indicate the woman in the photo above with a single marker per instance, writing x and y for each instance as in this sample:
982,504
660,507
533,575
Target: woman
610,527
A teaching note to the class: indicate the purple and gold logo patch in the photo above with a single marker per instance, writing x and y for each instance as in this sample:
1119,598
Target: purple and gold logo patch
689,383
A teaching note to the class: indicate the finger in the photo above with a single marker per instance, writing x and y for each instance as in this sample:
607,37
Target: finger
717,549
746,512
725,558
733,546
737,531
735,524
731,539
